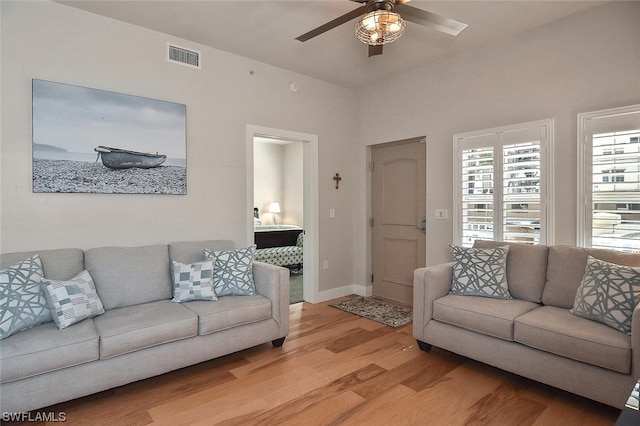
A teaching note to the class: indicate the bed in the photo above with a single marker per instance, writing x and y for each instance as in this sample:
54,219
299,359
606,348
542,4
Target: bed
280,245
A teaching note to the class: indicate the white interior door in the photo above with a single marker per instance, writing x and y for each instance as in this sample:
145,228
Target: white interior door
398,186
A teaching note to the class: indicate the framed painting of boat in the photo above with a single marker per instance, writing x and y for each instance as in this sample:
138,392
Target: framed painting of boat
96,141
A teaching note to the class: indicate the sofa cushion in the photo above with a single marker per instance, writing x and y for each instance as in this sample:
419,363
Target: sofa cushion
493,317
557,331
608,294
44,348
131,328
193,281
566,268
191,251
526,268
233,271
127,276
57,264
22,300
229,311
72,301
480,272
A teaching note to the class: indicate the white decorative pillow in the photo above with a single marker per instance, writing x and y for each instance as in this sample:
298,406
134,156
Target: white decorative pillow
193,282
74,300
233,271
22,300
608,294
480,272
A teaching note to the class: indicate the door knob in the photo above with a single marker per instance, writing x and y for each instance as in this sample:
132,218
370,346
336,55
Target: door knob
423,226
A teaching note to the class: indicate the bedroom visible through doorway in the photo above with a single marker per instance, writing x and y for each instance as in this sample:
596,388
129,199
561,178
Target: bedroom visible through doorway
278,196
282,199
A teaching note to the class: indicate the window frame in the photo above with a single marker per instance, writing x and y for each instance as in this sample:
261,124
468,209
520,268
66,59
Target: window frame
476,139
584,204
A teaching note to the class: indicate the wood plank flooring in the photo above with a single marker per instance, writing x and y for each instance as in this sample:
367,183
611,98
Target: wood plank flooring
336,368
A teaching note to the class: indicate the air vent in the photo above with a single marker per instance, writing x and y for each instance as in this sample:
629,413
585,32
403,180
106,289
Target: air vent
183,56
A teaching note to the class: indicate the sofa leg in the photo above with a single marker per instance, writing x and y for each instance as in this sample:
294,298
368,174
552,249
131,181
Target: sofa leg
423,346
278,342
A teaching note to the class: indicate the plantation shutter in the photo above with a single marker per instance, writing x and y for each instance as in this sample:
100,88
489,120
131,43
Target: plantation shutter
522,186
500,185
614,181
477,194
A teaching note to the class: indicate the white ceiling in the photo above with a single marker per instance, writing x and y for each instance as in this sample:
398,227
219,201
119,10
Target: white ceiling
265,30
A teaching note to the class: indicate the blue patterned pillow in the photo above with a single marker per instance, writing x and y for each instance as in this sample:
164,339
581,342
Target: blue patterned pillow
22,300
480,272
193,282
608,294
74,300
233,271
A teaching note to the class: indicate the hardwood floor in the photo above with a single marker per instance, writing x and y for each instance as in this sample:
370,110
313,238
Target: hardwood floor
337,368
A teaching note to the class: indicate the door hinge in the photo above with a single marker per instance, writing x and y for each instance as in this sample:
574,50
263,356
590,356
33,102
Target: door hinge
371,222
371,277
371,166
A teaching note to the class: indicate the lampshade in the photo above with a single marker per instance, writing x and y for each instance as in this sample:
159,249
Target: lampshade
274,207
380,27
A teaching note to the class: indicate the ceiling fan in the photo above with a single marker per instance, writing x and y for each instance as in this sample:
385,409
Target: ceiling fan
382,23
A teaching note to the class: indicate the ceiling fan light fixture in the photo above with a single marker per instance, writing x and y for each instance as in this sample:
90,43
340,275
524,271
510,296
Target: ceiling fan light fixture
380,27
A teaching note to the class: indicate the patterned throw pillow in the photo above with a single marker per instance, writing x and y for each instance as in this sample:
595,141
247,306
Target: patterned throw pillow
193,282
608,294
480,272
74,300
22,300
233,271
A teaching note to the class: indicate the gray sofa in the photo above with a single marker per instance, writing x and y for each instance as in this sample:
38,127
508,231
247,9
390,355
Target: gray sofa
142,332
534,334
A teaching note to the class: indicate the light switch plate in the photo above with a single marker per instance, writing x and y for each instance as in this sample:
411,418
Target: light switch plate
441,214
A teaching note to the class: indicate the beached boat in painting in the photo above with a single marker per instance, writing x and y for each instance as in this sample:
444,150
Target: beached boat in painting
116,158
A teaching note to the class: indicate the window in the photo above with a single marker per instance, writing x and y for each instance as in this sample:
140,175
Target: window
502,184
609,179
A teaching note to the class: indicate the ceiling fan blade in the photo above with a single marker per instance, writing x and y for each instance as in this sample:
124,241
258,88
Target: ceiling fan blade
428,19
332,24
375,50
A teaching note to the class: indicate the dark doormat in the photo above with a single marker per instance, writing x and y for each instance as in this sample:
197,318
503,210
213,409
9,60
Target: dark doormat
391,315
295,287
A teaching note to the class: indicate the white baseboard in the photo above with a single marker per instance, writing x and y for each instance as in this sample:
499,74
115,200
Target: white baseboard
346,290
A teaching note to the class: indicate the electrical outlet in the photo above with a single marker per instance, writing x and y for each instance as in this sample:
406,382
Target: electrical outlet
441,214
332,213
325,264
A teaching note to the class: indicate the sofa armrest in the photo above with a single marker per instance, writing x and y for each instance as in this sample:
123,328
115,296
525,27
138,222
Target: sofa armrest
429,284
635,343
272,282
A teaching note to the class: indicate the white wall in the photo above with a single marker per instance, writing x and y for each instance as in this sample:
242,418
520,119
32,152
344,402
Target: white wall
586,62
267,178
278,176
293,191
49,41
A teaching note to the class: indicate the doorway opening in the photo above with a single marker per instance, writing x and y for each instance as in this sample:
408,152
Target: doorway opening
282,199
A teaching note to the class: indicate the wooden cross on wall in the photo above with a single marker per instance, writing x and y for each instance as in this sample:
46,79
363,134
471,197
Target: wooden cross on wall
337,178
